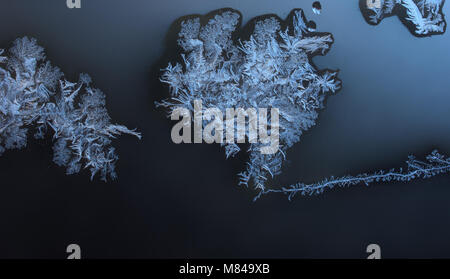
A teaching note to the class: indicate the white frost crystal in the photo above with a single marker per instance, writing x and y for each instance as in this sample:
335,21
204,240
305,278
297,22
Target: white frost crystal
272,69
422,17
34,93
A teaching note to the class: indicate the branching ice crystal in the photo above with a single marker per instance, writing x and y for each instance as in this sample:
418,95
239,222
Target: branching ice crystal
422,17
34,93
271,69
435,164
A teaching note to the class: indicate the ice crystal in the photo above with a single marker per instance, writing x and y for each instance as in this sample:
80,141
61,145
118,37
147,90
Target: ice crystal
422,17
270,69
33,93
435,164
317,7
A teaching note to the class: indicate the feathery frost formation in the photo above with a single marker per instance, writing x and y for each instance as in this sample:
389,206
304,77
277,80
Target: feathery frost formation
436,164
422,17
33,93
271,69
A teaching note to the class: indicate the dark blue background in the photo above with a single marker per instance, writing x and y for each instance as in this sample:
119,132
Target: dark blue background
183,200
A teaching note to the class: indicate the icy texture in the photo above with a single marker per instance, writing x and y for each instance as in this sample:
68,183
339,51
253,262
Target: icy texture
435,164
272,69
317,7
33,93
422,17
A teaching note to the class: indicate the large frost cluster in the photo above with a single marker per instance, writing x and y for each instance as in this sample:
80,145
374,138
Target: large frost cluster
422,17
270,69
34,94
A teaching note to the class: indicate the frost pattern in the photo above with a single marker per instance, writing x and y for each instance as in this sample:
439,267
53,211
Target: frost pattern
435,164
34,93
272,69
422,17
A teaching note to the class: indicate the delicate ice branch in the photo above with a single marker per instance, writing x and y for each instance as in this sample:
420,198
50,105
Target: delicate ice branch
435,164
